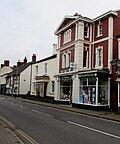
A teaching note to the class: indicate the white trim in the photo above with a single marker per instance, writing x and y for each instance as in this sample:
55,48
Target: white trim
85,49
67,36
88,29
104,15
101,40
78,18
96,91
109,92
110,40
118,94
68,17
99,31
68,60
119,48
96,64
76,31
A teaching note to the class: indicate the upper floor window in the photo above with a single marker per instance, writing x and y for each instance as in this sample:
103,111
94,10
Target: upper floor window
85,57
45,67
36,70
53,86
100,29
67,36
64,59
86,31
68,59
99,57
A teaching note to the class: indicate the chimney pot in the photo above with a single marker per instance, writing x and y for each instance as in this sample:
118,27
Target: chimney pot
25,60
34,58
6,63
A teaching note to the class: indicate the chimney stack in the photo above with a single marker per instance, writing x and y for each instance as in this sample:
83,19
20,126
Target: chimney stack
25,60
2,65
19,63
55,48
34,58
6,63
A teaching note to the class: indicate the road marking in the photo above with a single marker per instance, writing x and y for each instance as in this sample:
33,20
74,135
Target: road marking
95,130
41,113
8,122
32,141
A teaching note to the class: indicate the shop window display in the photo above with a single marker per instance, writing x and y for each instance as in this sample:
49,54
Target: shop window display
65,89
88,91
102,92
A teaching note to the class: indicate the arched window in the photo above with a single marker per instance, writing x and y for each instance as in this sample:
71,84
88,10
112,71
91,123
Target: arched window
64,60
68,59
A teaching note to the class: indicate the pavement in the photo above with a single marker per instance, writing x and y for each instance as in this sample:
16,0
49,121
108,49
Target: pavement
8,136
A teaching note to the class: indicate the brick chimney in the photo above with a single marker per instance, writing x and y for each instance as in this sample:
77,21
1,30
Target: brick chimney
2,65
25,60
19,63
6,63
34,58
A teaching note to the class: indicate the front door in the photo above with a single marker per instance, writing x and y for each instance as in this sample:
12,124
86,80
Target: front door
45,88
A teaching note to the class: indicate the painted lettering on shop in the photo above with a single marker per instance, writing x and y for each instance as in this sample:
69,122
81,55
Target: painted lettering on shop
88,75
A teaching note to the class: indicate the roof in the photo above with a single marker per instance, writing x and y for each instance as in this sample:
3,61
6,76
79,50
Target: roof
64,19
47,58
104,15
76,18
19,69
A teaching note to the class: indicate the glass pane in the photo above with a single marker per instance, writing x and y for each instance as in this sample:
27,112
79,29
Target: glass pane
102,92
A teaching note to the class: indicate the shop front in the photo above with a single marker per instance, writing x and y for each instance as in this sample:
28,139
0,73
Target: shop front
94,89
119,96
65,90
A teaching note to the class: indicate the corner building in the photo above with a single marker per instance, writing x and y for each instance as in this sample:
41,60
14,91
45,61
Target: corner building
86,54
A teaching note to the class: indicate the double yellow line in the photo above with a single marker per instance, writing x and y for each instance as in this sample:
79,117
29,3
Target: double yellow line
4,121
32,141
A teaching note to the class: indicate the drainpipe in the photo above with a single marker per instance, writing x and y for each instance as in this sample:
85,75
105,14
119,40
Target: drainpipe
30,78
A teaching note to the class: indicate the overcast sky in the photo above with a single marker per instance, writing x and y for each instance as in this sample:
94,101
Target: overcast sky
27,26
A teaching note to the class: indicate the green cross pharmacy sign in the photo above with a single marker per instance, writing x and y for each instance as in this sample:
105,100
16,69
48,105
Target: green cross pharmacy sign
72,65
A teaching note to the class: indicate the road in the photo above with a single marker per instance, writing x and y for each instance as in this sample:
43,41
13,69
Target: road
53,126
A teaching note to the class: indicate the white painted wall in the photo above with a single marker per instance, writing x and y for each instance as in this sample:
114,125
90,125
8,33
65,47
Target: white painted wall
3,73
25,81
75,93
51,72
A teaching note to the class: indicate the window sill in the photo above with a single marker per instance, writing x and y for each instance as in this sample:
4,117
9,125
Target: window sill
52,93
99,35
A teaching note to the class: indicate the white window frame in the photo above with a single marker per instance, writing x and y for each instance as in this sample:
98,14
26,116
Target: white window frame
85,49
99,29
87,26
68,58
46,69
97,57
52,86
67,36
36,70
64,60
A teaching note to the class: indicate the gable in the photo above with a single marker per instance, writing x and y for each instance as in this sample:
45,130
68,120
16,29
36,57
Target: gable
66,21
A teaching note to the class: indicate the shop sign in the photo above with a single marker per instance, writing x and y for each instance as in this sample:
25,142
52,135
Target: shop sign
87,75
72,65
65,78
118,67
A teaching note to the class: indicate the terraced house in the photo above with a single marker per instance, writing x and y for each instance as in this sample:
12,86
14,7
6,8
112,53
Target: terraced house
88,61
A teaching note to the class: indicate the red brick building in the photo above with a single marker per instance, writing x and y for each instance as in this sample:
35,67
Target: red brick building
87,55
